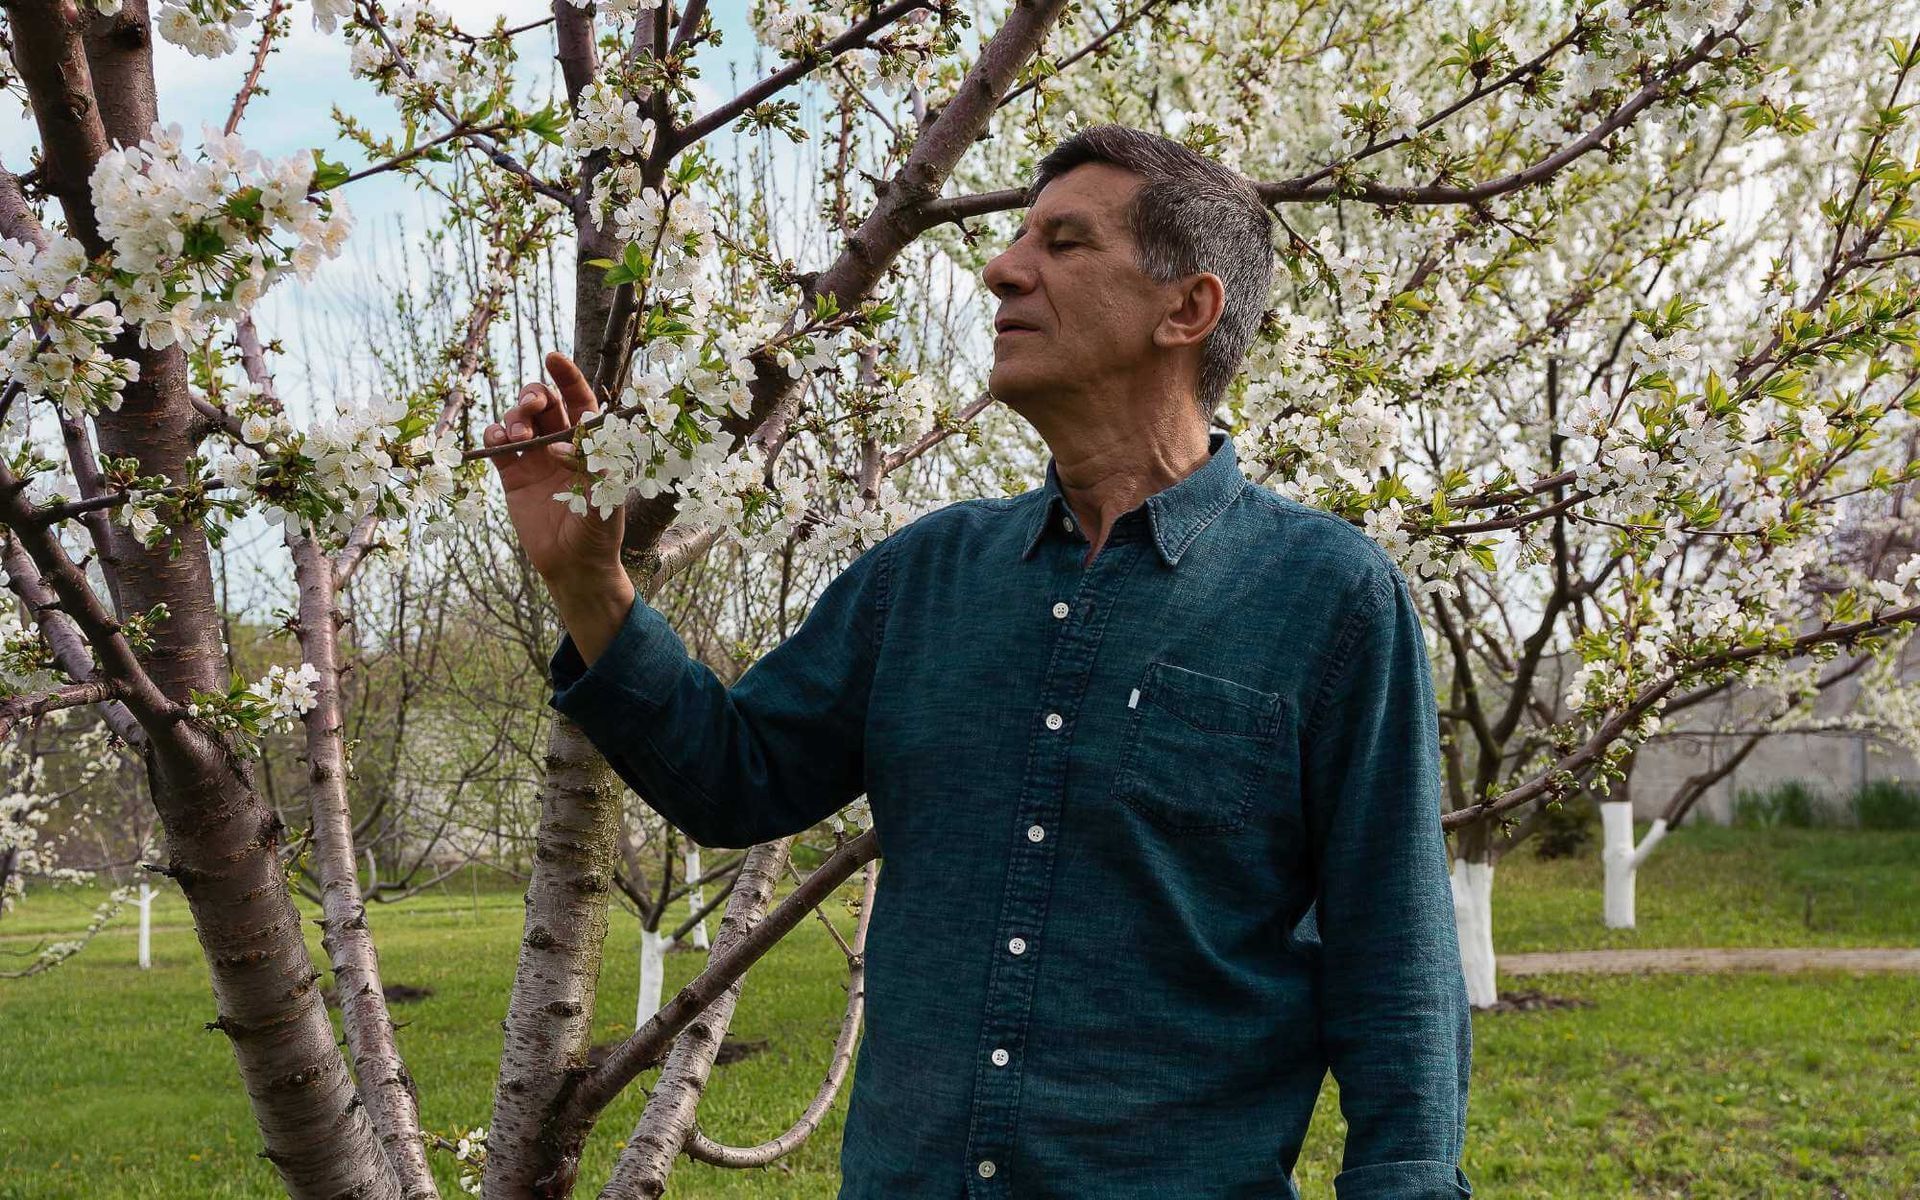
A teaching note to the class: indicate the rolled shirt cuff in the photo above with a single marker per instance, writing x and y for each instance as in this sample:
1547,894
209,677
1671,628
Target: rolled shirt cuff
641,666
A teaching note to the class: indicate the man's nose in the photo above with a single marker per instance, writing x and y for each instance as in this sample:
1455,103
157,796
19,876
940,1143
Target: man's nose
1005,274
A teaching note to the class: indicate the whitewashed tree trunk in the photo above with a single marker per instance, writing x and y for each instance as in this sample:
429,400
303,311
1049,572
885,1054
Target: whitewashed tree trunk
145,904
1622,858
1473,915
653,964
696,898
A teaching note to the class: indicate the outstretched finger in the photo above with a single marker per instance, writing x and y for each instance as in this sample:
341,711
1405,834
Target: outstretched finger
574,388
495,435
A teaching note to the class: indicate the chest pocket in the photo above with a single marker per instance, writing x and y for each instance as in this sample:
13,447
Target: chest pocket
1198,748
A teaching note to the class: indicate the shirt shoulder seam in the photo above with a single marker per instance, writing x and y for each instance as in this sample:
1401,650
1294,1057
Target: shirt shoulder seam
1294,508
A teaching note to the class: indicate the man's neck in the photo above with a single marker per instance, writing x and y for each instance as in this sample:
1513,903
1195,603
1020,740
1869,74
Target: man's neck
1107,469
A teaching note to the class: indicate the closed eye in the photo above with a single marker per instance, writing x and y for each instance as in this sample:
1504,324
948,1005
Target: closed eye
1063,245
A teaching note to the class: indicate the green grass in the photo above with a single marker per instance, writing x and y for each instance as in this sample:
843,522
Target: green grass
1714,886
1745,1086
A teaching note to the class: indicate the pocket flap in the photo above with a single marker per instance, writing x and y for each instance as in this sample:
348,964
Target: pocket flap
1209,702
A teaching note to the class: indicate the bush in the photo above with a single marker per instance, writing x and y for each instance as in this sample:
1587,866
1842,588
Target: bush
1793,803
1887,804
1565,829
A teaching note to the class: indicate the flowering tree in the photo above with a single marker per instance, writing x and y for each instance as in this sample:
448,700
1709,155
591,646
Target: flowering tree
1787,703
1494,349
46,768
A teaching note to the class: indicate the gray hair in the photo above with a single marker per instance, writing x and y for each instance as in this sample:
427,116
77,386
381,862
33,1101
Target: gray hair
1191,214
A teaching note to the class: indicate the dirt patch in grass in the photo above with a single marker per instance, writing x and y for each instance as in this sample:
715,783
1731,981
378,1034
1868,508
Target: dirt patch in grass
1535,1001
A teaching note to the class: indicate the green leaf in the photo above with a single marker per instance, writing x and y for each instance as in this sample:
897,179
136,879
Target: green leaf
327,174
548,125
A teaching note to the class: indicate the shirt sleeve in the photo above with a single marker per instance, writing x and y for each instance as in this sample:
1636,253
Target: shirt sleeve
731,767
1393,1002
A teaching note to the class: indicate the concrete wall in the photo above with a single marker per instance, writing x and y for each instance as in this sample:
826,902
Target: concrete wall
1837,762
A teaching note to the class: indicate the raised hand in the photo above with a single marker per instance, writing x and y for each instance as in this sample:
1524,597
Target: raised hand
560,542
578,554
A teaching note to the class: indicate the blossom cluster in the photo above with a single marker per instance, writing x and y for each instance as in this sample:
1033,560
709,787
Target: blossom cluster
1632,464
606,119
853,820
203,28
909,53
201,238
618,10
55,326
287,694
1898,591
471,1151
378,459
429,67
797,30
326,13
643,454
673,231
279,696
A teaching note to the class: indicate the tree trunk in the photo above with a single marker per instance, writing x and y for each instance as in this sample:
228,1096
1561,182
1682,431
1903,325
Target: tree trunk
550,1016
696,899
223,842
145,904
386,1088
1622,858
653,964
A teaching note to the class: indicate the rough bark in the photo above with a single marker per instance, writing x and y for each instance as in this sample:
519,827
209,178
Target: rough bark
550,1014
386,1087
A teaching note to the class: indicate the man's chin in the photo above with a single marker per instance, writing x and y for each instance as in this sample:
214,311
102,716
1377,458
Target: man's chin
1014,384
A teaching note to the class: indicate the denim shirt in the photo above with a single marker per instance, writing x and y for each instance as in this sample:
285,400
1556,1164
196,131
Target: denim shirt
1161,840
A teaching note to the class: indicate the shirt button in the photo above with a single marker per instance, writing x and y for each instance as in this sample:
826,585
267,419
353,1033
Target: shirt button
1000,1057
1055,720
1060,609
1066,523
1018,945
986,1168
1035,833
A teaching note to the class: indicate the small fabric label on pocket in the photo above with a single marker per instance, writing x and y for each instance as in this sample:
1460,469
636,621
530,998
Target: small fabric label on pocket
1133,701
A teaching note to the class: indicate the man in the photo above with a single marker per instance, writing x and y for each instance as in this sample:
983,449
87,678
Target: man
1118,733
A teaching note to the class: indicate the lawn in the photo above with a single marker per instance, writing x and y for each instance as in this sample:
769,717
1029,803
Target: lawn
1742,1086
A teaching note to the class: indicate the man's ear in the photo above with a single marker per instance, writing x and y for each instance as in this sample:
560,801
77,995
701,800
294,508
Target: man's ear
1201,301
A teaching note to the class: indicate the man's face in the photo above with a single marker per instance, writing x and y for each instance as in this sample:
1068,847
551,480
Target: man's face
1069,278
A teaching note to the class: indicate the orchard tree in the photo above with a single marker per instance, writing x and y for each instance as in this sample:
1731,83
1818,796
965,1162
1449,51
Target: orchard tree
1478,204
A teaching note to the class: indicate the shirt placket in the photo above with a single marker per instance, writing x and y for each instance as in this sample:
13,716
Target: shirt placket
1080,620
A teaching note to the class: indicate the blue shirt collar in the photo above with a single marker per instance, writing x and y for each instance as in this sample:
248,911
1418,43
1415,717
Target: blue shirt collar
1177,514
